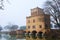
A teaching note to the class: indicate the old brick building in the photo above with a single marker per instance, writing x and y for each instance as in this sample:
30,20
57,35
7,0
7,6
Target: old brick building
38,21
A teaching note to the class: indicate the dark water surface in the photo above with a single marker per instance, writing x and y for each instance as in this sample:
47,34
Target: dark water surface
21,37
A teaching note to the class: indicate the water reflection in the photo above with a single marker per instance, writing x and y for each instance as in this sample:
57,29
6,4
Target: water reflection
35,38
22,37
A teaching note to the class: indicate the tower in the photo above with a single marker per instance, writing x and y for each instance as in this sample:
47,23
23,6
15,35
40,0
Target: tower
38,22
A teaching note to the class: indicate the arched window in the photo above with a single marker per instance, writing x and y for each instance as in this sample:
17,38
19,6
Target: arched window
33,20
28,21
33,26
28,27
40,26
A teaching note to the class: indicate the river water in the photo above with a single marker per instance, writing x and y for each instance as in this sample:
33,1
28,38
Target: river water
21,37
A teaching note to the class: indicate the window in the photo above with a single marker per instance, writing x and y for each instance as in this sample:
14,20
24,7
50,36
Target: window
40,26
46,26
28,21
28,27
33,26
33,20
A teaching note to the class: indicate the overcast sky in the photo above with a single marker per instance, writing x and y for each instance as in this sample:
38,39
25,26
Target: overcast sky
16,11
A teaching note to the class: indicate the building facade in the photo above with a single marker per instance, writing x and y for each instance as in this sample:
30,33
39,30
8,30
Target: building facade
38,22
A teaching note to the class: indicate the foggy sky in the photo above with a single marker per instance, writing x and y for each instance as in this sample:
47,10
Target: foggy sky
16,11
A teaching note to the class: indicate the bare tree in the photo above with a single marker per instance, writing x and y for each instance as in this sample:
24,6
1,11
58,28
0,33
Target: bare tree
11,27
2,4
1,28
22,27
53,8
